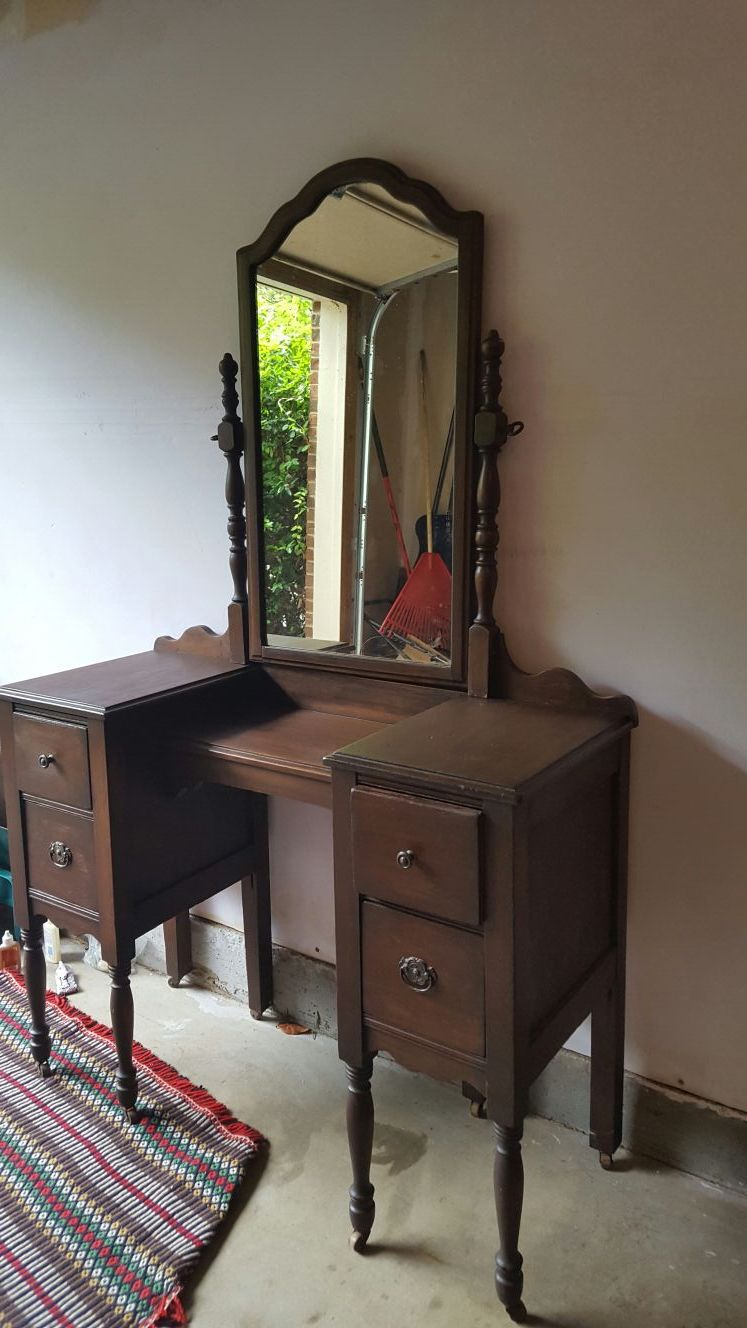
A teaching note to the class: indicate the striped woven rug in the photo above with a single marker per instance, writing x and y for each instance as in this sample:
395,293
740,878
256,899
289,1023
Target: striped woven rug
101,1220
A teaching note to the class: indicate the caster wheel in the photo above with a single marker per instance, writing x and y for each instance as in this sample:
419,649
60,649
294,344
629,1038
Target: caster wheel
133,1115
45,1070
174,982
358,1241
477,1110
606,1162
256,1014
517,1313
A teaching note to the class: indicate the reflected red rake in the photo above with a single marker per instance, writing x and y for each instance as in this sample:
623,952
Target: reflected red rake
423,605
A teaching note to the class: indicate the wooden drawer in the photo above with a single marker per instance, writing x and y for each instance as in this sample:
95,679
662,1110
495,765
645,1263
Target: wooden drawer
451,1011
418,853
71,833
63,775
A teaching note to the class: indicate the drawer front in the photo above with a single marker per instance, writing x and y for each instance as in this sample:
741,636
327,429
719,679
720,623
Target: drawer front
52,760
57,835
421,854
447,1003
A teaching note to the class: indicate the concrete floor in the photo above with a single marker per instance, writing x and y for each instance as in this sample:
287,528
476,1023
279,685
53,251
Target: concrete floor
644,1245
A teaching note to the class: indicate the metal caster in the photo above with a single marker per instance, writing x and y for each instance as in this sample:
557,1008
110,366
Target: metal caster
133,1115
517,1312
174,982
256,1014
606,1162
45,1070
477,1110
358,1241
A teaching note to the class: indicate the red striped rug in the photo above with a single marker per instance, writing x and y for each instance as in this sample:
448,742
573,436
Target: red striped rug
101,1220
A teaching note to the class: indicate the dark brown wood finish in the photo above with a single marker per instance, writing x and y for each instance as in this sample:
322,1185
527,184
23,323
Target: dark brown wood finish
177,936
35,971
360,1125
52,760
436,870
487,1005
439,995
508,1183
122,1012
149,847
464,227
255,899
232,644
473,962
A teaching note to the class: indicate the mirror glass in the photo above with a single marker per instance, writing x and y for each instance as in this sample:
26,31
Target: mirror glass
356,345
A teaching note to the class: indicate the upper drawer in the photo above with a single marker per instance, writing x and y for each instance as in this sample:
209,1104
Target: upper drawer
52,760
421,854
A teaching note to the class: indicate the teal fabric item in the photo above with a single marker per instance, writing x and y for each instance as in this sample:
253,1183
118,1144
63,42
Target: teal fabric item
6,881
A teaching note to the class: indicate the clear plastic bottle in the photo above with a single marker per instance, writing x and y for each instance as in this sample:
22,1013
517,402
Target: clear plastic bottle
51,943
10,952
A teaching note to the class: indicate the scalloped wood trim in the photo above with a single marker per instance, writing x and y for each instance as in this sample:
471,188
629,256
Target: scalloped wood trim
232,644
198,640
557,688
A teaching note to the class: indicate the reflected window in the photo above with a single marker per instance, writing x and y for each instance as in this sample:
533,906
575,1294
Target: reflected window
356,332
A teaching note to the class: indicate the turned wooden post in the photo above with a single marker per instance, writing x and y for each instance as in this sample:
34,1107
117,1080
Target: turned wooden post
508,1182
492,430
35,972
123,1024
230,439
360,1125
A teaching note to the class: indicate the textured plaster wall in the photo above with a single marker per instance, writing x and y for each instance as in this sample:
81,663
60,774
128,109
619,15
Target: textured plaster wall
141,144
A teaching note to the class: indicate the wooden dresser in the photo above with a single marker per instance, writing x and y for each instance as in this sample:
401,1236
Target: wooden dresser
480,911
480,813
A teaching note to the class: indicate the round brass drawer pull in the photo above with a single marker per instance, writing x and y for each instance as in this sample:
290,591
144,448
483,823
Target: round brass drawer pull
416,973
60,854
405,858
46,761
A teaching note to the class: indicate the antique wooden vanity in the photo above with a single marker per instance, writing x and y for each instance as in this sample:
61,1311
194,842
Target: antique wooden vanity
480,814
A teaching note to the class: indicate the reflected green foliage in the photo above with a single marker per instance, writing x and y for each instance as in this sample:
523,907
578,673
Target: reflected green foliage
284,324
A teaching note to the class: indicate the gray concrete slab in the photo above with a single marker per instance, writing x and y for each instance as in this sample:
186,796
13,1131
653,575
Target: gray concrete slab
645,1245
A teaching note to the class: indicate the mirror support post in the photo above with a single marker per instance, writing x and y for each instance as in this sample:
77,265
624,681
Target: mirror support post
492,431
230,439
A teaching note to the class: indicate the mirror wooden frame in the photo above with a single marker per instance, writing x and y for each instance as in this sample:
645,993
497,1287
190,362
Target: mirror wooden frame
466,228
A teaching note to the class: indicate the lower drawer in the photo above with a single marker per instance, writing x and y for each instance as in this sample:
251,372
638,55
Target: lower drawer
439,994
60,855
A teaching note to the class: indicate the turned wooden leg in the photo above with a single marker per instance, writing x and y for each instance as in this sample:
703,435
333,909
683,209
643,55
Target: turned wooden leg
255,902
508,1181
123,1023
607,1049
35,971
177,935
360,1123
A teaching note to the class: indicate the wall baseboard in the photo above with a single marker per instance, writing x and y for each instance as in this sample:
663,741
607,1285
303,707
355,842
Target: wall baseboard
683,1131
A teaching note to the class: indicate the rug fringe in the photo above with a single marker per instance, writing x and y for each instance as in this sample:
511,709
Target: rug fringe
169,1313
149,1061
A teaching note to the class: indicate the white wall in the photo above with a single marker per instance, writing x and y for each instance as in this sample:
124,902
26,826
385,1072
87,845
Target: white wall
142,145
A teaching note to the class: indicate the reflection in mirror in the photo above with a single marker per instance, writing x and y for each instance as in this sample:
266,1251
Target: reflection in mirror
356,324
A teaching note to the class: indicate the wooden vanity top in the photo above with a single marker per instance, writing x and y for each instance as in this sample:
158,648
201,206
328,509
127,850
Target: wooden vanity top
266,751
493,747
116,684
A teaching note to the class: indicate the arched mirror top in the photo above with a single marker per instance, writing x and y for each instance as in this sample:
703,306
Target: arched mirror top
360,313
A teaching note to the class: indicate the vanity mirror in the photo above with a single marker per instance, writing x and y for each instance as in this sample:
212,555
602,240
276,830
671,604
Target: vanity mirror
359,310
